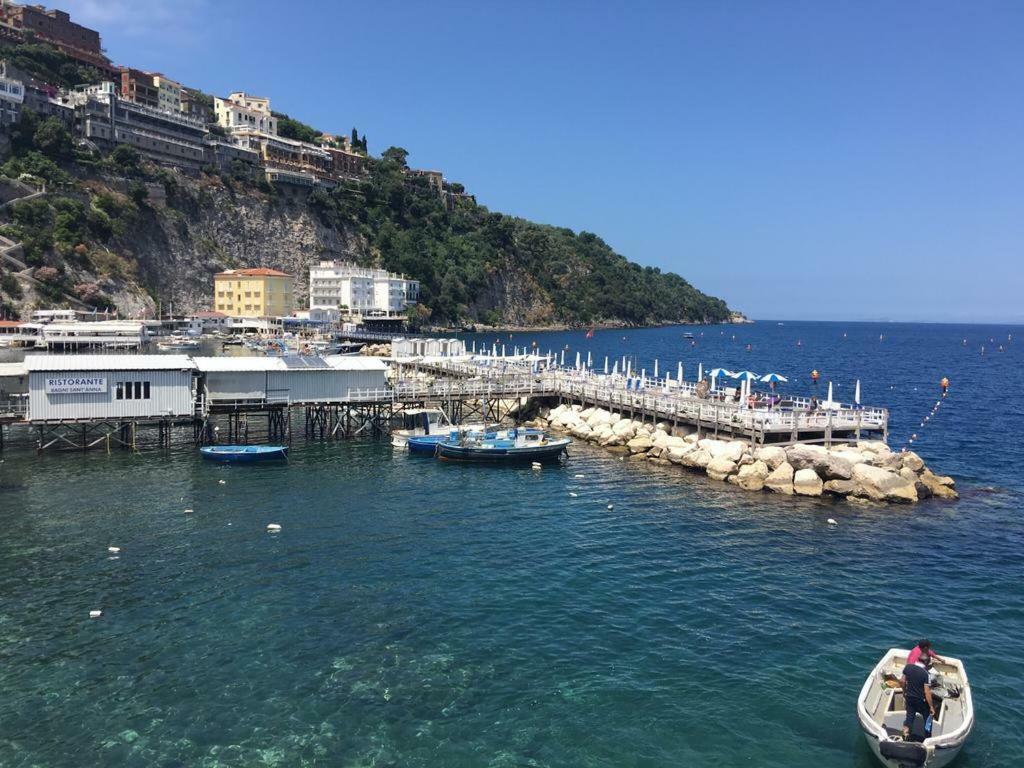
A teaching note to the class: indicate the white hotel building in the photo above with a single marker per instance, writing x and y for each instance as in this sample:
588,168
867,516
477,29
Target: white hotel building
363,290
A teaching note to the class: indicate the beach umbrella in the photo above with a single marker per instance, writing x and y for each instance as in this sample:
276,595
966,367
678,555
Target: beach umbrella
655,368
829,393
629,367
856,393
772,378
494,350
744,375
502,350
590,363
700,371
615,368
606,365
679,373
577,361
562,363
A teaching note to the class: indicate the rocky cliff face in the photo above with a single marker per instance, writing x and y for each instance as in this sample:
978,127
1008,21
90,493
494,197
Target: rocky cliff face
201,228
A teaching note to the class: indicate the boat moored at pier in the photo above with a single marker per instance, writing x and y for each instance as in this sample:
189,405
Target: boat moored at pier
512,446
881,710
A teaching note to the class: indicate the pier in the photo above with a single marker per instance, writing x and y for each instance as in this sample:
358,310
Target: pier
262,398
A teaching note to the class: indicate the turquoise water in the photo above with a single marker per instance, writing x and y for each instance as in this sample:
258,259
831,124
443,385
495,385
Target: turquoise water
416,613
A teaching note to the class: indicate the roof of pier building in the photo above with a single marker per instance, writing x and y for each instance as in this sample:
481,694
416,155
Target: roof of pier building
47,363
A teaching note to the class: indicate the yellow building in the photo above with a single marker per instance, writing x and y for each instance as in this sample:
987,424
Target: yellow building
253,293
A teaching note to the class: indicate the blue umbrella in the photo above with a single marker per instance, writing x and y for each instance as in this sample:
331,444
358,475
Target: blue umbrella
716,372
772,378
745,376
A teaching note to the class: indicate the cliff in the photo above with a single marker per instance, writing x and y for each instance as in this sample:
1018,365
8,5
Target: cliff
115,230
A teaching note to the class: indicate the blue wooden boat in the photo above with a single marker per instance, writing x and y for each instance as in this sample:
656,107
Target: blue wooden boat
510,447
424,445
244,453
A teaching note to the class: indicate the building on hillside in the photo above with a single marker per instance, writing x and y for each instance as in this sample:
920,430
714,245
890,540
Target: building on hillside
106,119
194,104
138,86
242,112
344,163
449,192
361,290
43,99
289,161
12,96
56,28
258,292
168,92
230,158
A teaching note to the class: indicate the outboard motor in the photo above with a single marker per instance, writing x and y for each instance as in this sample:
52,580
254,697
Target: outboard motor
906,753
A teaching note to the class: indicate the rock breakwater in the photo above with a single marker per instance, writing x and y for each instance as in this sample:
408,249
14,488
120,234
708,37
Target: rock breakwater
865,471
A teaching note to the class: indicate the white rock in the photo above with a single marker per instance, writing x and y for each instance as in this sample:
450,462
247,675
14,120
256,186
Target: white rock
781,479
807,483
879,484
720,468
772,455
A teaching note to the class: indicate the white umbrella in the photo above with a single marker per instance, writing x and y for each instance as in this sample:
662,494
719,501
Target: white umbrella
679,372
772,378
655,368
743,375
829,393
700,371
577,361
563,358
615,368
856,393
629,367
494,350
606,365
590,363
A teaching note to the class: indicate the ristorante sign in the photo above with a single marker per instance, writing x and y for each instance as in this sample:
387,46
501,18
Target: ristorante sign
75,385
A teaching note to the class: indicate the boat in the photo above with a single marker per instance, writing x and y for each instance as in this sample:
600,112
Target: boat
512,446
881,711
235,342
426,445
420,421
178,343
688,335
244,453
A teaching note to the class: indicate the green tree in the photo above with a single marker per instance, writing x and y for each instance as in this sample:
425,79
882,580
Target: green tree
396,155
53,139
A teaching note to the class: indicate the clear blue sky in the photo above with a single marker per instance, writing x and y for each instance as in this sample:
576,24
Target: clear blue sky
832,160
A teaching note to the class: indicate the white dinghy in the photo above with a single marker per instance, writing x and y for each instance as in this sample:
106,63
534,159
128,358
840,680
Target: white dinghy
881,711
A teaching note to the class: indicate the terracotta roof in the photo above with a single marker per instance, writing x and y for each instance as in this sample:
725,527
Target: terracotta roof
208,314
256,272
9,323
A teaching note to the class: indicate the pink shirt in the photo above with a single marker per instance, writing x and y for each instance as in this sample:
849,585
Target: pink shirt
916,654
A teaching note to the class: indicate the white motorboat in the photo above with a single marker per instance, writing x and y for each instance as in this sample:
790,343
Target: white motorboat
881,710
178,343
417,422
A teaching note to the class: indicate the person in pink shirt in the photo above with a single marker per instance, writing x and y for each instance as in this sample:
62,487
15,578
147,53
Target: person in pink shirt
923,648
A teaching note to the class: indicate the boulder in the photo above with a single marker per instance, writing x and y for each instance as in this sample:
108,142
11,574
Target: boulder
733,450
691,438
780,480
639,444
771,455
655,452
880,484
840,487
938,486
675,442
806,456
912,461
698,458
807,483
659,462
712,446
660,439
834,467
675,455
581,431
751,477
720,468
624,427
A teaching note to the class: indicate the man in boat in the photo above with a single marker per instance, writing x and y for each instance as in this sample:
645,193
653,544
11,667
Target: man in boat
924,649
917,694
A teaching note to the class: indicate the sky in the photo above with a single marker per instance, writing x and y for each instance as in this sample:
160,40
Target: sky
801,160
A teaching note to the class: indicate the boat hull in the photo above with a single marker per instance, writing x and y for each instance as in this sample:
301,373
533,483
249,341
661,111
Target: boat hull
244,454
477,453
424,445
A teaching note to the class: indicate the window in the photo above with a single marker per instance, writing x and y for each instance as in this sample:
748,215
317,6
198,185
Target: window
120,390
132,390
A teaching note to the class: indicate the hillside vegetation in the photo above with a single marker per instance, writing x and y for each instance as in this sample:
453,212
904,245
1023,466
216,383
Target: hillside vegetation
102,234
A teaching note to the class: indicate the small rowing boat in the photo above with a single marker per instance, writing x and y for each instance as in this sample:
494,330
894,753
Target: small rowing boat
881,710
240,454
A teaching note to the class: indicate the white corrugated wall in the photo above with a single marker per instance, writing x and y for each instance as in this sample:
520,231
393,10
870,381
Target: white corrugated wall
170,394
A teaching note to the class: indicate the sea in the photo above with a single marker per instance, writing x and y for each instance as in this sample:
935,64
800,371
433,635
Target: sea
599,613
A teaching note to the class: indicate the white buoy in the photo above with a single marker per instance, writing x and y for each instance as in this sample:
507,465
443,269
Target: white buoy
222,482
578,477
832,521
188,511
574,495
113,550
95,614
273,528
611,506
